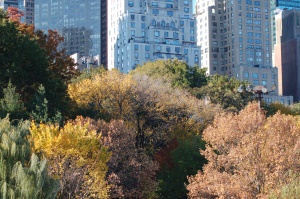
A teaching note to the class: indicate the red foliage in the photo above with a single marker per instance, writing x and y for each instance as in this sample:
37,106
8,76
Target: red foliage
163,156
14,14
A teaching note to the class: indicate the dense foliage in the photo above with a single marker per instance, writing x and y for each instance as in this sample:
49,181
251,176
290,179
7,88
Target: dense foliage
30,58
22,174
248,155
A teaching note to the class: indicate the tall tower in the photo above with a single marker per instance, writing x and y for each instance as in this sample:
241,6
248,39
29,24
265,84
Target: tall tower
287,52
235,39
79,22
144,30
26,6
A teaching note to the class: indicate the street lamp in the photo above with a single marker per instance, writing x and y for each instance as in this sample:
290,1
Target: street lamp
260,90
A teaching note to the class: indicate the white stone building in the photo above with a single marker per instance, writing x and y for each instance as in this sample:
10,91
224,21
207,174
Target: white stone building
146,30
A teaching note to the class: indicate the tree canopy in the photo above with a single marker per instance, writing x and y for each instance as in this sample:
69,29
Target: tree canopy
248,155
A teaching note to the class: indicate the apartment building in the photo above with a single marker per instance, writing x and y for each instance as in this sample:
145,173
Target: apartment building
81,23
26,6
236,40
146,30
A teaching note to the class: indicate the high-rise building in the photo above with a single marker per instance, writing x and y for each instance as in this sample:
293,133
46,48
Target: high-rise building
144,30
26,6
235,39
82,24
287,52
276,6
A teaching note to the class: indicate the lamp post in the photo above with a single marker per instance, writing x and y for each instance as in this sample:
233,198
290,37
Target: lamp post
260,90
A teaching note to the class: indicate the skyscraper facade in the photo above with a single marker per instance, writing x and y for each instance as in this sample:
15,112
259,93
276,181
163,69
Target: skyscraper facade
235,39
79,22
26,6
144,30
287,52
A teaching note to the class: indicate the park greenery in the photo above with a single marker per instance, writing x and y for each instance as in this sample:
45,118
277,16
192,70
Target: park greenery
165,130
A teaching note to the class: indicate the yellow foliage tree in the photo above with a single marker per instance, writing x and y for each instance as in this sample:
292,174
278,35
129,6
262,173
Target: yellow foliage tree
107,92
75,147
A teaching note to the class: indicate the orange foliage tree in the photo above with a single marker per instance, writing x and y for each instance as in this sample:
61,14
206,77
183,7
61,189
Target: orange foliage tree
248,155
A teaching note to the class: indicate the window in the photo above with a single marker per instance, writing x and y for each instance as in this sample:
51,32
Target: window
136,47
177,49
158,48
154,4
132,17
170,13
246,75
185,51
186,10
143,18
130,3
156,33
166,34
254,75
168,49
153,22
192,23
132,24
132,33
169,5
147,47
175,35
155,11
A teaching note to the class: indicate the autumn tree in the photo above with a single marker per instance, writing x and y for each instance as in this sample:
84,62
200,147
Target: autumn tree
76,155
22,174
41,63
151,107
131,173
248,155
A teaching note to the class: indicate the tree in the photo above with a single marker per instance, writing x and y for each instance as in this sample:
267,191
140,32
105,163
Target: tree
152,108
22,174
224,91
174,72
11,103
177,161
248,155
131,173
76,156
41,63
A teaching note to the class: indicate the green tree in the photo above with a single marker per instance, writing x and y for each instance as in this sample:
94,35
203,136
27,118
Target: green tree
11,103
22,174
174,72
181,161
224,91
